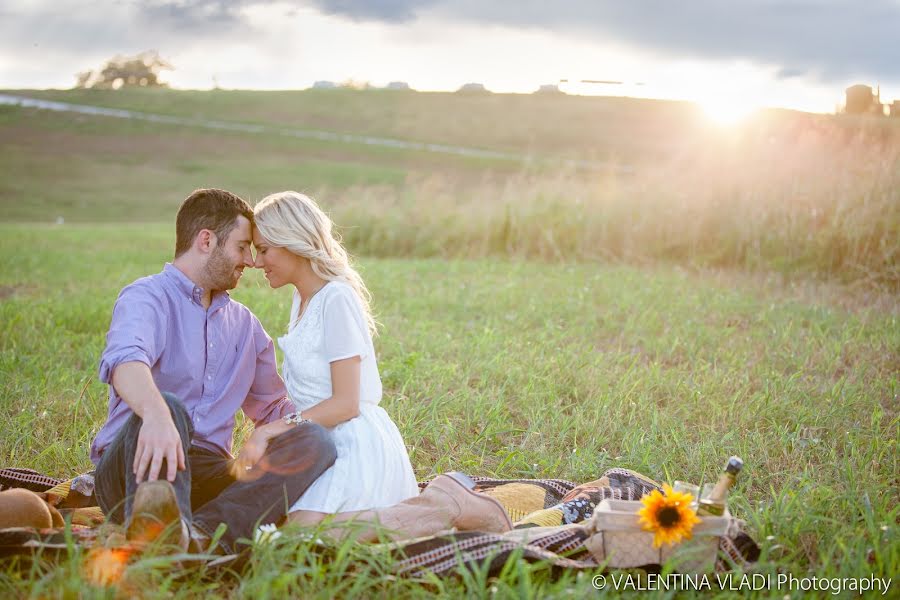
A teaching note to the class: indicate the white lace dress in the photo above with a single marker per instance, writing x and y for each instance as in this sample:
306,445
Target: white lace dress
372,469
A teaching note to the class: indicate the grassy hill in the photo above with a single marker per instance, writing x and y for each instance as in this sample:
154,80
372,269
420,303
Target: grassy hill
626,129
786,191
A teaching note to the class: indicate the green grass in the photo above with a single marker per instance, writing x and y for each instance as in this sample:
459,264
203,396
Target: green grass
630,130
517,369
89,168
625,129
804,195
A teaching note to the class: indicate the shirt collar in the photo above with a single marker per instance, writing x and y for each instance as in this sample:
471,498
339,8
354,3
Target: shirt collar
182,281
191,289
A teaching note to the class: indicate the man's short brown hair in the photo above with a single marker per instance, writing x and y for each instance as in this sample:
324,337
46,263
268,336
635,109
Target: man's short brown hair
216,210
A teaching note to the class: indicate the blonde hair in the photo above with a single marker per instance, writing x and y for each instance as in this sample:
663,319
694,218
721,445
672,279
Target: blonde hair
293,221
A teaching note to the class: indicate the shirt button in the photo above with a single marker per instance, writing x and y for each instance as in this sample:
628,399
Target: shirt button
209,377
210,345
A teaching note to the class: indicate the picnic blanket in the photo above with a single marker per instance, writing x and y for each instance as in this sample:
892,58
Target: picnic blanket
550,524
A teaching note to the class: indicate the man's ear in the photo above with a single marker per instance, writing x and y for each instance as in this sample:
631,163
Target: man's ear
205,241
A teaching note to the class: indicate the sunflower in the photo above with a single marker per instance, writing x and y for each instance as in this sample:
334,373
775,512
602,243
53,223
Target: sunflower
669,516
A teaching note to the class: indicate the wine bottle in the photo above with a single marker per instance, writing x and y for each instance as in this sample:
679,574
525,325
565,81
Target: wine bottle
714,503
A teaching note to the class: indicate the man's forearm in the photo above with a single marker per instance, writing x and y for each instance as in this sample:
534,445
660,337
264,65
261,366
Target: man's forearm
159,439
134,384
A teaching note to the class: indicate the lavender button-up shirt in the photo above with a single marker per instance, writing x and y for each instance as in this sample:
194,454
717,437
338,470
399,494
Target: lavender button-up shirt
215,360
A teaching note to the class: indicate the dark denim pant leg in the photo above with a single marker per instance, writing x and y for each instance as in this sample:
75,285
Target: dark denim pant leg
115,481
211,473
292,462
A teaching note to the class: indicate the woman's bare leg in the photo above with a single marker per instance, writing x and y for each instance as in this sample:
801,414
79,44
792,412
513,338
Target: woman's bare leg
311,518
306,518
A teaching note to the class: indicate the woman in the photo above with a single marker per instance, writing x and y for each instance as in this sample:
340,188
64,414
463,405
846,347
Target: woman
329,363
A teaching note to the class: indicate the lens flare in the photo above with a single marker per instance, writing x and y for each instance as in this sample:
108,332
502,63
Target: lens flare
105,566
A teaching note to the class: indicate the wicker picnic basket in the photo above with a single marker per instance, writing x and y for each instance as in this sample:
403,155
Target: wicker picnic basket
619,539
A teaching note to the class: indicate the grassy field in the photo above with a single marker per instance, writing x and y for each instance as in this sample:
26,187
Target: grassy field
518,369
734,292
628,129
803,195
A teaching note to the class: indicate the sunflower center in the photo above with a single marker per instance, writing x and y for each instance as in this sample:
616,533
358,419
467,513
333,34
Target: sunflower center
668,516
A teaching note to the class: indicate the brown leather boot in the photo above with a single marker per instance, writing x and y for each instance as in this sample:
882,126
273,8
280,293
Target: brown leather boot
448,502
475,512
155,516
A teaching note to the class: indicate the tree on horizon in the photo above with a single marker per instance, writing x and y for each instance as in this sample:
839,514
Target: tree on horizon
140,70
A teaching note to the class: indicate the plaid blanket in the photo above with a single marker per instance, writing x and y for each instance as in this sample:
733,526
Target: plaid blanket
550,517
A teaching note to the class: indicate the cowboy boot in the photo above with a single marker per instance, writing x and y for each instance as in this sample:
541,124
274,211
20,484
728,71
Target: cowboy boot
155,516
448,502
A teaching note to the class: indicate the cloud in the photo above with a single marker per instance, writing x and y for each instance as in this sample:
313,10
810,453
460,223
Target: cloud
121,26
204,15
396,11
789,73
829,41
832,39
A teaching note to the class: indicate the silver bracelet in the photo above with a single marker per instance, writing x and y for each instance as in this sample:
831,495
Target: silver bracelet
295,418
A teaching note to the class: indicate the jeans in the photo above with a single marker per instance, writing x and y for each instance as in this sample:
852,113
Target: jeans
208,494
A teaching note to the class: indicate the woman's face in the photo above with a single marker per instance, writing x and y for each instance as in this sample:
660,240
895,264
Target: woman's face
280,265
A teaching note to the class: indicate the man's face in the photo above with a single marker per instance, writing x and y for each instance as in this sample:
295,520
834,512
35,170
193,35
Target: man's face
227,261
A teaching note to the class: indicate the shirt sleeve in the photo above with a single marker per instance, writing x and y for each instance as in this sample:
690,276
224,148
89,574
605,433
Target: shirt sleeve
137,331
345,333
267,399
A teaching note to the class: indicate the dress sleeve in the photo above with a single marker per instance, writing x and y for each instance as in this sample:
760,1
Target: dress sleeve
345,333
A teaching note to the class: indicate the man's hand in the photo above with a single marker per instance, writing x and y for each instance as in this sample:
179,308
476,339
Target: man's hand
158,440
251,452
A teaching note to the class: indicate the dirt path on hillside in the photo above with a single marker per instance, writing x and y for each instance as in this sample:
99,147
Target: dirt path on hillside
313,134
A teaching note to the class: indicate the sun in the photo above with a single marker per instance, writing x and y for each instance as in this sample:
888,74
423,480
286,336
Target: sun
728,112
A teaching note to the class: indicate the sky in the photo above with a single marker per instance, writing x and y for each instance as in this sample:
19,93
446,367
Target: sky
728,55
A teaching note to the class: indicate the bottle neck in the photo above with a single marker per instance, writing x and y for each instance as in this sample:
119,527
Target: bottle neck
720,491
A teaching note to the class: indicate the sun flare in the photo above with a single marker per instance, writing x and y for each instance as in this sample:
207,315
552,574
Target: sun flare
727,112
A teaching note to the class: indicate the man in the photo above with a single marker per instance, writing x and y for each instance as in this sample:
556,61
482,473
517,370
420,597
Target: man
181,358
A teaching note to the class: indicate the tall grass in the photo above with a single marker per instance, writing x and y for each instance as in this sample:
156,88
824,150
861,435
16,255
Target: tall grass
820,200
790,192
